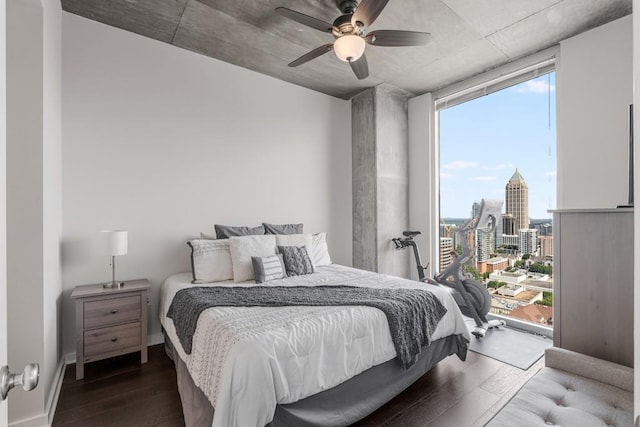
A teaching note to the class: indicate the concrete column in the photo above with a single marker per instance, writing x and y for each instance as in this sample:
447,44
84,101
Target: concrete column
380,178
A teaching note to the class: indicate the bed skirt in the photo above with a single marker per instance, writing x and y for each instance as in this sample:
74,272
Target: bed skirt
339,406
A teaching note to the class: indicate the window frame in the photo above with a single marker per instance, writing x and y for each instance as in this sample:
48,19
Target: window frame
512,73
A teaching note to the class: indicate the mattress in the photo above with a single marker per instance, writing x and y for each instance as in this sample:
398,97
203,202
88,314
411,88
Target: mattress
247,360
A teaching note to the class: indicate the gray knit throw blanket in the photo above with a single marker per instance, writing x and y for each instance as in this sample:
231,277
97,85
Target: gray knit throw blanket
413,314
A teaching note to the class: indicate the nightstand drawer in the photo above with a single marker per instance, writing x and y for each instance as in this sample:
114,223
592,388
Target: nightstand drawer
112,310
105,340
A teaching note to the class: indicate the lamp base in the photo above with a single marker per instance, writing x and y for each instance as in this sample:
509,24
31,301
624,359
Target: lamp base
113,285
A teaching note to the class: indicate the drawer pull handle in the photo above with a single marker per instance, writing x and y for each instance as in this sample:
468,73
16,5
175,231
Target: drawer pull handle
114,311
114,339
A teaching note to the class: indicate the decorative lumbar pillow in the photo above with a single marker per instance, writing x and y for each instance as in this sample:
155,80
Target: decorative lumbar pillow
296,260
319,252
226,231
294,240
243,248
268,268
283,228
207,236
210,260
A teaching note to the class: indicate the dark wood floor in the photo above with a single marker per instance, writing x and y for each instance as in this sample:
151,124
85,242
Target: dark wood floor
121,392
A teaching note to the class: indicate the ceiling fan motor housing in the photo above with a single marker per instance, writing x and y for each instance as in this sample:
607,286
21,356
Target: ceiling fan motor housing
347,6
343,26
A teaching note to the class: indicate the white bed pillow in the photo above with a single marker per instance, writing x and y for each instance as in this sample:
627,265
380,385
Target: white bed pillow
210,260
243,248
294,240
319,252
208,236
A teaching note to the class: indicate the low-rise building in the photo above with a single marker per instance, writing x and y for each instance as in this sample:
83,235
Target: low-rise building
496,264
511,278
510,290
504,304
534,313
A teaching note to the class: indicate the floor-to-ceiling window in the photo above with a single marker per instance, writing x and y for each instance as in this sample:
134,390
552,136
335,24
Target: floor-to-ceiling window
498,141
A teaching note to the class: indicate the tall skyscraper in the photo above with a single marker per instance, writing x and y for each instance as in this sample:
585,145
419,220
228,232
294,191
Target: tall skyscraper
517,201
475,209
446,246
484,246
497,235
484,242
528,241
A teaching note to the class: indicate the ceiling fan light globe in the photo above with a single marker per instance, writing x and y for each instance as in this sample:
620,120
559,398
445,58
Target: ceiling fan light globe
349,48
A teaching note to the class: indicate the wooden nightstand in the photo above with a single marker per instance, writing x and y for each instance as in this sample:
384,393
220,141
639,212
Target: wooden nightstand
110,322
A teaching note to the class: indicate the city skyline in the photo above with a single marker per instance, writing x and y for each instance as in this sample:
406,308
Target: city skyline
483,141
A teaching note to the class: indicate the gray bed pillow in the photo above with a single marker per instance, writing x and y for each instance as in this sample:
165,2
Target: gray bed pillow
296,260
282,228
268,268
226,231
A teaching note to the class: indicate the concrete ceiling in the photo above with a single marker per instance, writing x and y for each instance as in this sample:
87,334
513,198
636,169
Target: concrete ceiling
468,36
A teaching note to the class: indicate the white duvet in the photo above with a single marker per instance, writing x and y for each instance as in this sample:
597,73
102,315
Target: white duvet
248,359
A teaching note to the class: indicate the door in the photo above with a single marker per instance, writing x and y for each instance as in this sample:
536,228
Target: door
3,203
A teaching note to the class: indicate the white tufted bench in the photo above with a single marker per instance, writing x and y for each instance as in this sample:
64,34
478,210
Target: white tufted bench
572,390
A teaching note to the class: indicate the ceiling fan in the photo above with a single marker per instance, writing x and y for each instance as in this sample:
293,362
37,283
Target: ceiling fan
349,30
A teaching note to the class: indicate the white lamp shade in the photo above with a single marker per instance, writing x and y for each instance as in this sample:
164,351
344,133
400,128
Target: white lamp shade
117,242
349,48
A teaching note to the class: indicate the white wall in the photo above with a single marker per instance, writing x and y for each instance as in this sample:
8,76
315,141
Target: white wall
33,201
594,90
165,143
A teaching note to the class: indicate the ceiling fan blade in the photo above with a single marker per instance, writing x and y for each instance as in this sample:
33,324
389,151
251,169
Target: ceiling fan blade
319,51
397,38
367,11
360,67
307,20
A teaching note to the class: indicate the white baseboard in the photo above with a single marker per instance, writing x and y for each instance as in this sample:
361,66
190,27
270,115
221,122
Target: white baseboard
46,419
56,386
37,421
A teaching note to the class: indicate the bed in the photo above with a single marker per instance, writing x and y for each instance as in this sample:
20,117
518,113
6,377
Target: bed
283,366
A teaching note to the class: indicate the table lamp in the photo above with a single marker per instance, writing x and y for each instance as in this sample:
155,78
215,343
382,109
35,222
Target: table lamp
117,246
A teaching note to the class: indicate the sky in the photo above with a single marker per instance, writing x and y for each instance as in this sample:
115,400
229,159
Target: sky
483,141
